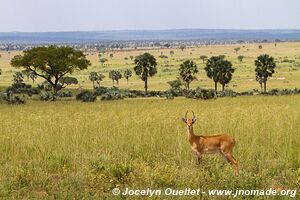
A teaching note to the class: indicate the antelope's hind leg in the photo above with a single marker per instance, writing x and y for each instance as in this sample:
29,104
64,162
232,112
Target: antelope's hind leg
229,157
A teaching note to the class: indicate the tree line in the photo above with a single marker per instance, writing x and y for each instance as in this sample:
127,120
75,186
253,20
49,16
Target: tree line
54,63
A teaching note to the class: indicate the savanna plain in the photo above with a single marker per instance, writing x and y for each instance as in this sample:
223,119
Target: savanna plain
73,150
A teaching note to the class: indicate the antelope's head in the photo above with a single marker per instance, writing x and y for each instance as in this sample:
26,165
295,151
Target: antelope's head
188,121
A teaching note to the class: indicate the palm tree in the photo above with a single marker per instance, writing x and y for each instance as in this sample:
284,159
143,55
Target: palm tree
115,75
145,67
226,71
265,66
96,77
219,69
187,72
127,74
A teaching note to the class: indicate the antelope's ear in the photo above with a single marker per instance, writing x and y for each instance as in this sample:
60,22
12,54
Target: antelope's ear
184,120
194,120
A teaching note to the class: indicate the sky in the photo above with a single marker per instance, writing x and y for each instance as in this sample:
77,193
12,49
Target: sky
98,15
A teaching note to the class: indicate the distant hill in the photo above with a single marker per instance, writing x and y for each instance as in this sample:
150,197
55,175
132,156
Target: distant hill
153,35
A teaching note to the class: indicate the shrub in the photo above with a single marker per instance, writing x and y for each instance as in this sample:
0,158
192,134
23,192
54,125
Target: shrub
45,86
246,93
281,92
175,84
22,88
169,94
227,93
200,93
155,93
47,96
100,91
64,94
128,93
112,94
86,96
10,98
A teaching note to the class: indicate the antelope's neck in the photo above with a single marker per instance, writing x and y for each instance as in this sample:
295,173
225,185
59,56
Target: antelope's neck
191,135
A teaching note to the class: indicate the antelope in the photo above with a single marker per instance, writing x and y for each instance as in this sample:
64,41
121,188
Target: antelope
222,144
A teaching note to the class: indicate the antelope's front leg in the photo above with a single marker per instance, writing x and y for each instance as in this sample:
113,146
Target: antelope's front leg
198,157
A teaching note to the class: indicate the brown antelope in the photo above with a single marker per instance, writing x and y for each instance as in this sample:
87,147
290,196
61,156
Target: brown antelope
222,144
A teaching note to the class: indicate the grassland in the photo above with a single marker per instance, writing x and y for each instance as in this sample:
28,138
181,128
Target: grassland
287,73
71,150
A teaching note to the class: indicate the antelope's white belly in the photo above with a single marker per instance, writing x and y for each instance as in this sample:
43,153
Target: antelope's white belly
211,150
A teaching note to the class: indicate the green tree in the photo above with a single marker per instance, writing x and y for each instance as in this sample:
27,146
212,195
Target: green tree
265,67
226,71
93,77
127,74
131,57
96,77
203,58
172,53
260,46
187,71
237,49
219,70
145,67
182,47
241,58
115,75
102,61
111,55
51,63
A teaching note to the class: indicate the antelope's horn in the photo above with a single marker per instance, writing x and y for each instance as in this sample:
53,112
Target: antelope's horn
186,114
193,114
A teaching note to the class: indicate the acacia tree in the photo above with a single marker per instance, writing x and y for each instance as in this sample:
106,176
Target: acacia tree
265,67
51,63
237,49
96,77
127,74
219,70
240,58
145,67
182,47
187,71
